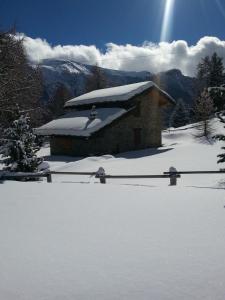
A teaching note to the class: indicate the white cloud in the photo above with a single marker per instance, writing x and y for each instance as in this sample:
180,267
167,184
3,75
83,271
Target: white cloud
149,56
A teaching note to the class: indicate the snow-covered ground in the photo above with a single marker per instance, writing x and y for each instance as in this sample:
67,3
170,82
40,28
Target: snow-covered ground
128,239
180,149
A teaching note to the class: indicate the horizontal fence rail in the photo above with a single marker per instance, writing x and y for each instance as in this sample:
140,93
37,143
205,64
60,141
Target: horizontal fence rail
137,176
172,174
72,173
195,172
24,175
100,174
173,177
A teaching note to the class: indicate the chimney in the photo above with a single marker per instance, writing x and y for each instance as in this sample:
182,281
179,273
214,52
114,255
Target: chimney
93,113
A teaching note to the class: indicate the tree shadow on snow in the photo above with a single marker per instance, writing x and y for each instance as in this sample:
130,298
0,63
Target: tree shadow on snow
204,140
207,187
62,158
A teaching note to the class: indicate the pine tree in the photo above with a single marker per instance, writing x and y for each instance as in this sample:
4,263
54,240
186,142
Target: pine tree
19,146
216,71
210,74
221,137
218,96
180,116
204,72
210,71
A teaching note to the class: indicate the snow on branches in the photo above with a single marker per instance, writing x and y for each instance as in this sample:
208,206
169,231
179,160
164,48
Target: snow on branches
221,137
19,146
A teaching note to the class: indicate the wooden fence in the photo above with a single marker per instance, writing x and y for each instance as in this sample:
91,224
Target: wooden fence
194,172
102,176
25,176
172,174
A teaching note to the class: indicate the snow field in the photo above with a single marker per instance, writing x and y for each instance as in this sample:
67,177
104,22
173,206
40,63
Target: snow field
128,239
74,241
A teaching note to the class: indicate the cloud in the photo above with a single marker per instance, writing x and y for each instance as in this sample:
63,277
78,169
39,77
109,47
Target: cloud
146,57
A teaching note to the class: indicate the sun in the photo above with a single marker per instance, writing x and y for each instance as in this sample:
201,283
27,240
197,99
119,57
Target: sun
167,20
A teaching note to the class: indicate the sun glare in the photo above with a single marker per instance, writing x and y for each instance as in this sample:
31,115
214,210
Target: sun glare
167,20
221,7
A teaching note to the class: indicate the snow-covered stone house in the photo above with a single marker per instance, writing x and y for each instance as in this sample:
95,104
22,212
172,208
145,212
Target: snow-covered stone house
109,120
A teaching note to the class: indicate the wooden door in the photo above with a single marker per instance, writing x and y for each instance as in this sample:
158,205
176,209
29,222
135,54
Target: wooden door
137,136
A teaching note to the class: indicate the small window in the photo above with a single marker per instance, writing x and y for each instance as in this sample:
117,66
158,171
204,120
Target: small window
137,136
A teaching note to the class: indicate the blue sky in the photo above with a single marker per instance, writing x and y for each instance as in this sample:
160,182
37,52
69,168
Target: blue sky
119,21
120,34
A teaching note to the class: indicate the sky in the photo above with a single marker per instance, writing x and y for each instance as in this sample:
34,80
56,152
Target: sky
160,30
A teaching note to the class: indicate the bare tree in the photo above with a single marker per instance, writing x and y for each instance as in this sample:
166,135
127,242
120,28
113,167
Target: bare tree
97,80
203,110
20,84
56,105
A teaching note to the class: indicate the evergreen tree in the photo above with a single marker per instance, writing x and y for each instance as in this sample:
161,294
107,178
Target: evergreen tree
210,74
216,71
218,96
204,72
180,115
19,146
221,137
210,71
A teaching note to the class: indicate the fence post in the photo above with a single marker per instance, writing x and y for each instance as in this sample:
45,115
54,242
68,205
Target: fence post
49,177
173,176
101,175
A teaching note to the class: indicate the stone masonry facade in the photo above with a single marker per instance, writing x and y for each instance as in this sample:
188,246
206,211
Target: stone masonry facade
139,128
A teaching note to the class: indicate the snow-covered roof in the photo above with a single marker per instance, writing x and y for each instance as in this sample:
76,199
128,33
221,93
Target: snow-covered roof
78,123
119,93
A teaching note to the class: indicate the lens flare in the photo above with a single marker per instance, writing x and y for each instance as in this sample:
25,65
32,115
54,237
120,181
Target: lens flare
167,20
221,7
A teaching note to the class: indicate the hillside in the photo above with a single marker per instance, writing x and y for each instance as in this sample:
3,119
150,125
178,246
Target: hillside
73,75
129,239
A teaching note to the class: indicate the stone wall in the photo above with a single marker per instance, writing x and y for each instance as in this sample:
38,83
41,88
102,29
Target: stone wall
119,136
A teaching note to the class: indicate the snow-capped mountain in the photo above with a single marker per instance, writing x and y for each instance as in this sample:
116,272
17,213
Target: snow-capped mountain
73,75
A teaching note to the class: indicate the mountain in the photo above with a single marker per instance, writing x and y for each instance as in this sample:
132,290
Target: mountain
73,76
177,85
